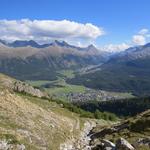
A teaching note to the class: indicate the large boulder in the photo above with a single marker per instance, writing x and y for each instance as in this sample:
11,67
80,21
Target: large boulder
122,144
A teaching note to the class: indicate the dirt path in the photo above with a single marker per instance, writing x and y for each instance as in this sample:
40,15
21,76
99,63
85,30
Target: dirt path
82,143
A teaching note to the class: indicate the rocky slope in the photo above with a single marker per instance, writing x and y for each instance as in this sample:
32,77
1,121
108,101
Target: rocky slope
19,86
32,123
133,133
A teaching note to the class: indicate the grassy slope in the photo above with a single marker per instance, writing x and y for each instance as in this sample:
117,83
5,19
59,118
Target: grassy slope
34,122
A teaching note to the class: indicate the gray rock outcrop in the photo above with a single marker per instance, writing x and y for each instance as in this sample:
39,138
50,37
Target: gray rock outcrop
122,144
26,88
19,86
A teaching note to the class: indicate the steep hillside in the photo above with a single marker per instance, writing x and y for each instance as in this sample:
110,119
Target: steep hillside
28,122
35,123
126,72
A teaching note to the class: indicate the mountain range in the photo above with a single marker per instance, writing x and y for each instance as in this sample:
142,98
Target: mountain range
28,60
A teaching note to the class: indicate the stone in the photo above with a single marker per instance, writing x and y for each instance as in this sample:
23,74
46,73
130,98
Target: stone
108,144
122,144
21,147
143,141
4,145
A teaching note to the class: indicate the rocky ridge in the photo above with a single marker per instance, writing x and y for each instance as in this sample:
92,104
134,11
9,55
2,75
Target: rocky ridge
21,87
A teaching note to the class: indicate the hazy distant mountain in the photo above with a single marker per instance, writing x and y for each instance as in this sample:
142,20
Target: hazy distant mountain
30,60
133,53
128,71
27,43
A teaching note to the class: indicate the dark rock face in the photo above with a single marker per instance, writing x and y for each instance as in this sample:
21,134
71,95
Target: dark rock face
103,132
110,130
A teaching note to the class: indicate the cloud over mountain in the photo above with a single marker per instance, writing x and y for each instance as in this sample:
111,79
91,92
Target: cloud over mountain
115,47
43,30
139,39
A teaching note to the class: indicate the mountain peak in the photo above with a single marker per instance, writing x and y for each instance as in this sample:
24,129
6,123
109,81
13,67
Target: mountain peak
91,46
61,43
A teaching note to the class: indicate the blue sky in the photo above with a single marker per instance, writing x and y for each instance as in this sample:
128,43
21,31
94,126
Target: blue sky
120,19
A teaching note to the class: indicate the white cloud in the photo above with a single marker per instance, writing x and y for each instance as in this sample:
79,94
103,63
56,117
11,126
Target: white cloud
143,31
44,30
115,47
139,39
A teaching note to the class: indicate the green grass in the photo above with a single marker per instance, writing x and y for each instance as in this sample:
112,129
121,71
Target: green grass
123,94
67,73
38,83
66,88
